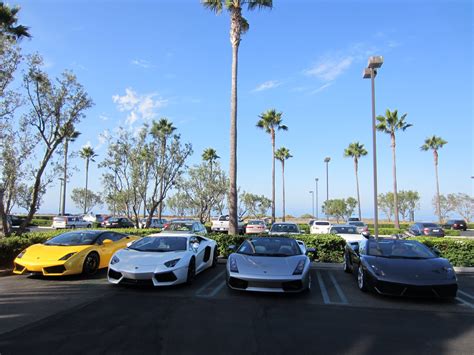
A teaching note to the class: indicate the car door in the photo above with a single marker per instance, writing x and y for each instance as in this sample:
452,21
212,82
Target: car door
202,253
108,249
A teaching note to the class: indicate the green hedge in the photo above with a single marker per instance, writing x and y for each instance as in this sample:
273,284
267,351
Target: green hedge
390,225
41,222
390,231
460,252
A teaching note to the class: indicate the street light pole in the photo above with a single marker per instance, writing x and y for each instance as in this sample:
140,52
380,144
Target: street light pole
60,195
312,200
371,72
327,160
317,204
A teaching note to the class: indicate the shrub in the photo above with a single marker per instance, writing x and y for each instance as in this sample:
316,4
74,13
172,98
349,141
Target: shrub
470,226
41,222
386,231
304,228
460,252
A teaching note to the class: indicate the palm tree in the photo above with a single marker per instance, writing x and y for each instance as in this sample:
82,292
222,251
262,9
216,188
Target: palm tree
70,136
210,155
162,130
434,143
391,123
238,26
270,121
87,153
356,151
8,23
283,154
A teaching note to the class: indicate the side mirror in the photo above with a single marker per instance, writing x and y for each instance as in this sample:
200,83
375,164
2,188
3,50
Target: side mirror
231,247
195,246
107,241
366,235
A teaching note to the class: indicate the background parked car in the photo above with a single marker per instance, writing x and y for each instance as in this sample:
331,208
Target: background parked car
118,222
347,232
185,227
255,226
426,229
459,224
154,223
320,227
64,222
94,218
284,228
360,226
222,224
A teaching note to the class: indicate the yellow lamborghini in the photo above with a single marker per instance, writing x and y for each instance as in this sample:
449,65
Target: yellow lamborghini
75,252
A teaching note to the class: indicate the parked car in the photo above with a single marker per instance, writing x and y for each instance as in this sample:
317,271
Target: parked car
255,226
65,222
222,224
320,227
346,231
311,221
118,222
284,228
185,227
163,259
353,219
94,218
269,264
72,252
400,267
360,226
154,223
425,229
459,224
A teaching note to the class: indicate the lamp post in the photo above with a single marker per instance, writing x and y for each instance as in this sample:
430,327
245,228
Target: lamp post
60,195
312,200
327,160
369,73
317,204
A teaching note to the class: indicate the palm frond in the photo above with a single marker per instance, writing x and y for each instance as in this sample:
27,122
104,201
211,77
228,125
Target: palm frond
258,4
213,5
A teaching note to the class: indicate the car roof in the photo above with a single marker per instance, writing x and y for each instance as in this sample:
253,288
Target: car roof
343,225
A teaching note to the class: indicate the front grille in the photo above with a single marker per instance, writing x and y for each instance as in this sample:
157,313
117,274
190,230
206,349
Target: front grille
389,288
264,284
446,290
238,283
292,285
59,269
137,282
114,274
419,291
165,277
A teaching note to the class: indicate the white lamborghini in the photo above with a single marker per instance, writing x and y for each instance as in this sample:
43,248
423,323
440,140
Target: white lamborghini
163,259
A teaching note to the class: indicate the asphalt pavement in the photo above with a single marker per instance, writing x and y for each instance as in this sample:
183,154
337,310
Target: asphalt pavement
80,315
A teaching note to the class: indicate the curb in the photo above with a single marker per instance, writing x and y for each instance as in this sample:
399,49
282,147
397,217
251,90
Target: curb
6,272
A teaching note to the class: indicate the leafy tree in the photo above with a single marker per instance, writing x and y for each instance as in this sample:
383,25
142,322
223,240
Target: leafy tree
88,154
356,151
443,206
85,200
390,124
178,204
435,143
283,154
463,204
254,205
408,202
238,26
386,204
339,208
351,203
271,121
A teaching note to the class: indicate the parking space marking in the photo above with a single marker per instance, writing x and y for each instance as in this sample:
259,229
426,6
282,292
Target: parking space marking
215,291
323,289
466,303
465,294
209,283
338,289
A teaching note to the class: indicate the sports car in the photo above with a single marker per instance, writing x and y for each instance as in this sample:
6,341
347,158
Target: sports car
71,253
163,259
400,267
269,264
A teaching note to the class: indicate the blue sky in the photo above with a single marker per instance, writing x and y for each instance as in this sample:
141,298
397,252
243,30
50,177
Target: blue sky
142,60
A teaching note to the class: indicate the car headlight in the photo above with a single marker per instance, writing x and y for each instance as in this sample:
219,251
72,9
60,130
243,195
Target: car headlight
377,270
67,256
300,267
450,272
21,254
115,259
172,263
233,265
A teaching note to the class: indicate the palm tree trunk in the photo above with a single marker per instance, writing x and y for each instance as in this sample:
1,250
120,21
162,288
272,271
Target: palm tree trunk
283,179
87,180
395,194
63,207
357,183
233,220
438,203
163,152
273,175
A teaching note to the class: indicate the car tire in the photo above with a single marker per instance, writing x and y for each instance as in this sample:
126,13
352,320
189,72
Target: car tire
362,279
346,266
191,271
215,256
91,264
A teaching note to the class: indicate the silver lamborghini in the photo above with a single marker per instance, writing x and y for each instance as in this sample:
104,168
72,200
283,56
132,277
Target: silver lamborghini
269,264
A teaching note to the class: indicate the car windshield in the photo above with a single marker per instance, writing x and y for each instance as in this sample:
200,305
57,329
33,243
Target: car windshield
343,230
321,223
256,223
399,249
160,244
113,219
270,247
74,238
357,224
179,227
284,228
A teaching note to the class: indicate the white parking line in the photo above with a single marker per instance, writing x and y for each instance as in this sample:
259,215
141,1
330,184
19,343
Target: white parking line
466,303
215,291
338,289
465,294
206,285
322,286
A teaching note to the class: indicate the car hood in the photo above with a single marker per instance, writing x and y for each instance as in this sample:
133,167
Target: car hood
41,252
130,257
267,265
410,270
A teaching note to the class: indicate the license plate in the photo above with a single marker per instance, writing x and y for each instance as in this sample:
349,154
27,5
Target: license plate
435,230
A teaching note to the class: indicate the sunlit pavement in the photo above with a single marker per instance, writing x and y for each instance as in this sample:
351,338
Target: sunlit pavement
87,315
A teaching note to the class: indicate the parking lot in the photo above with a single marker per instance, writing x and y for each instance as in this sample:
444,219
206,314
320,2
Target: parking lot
87,315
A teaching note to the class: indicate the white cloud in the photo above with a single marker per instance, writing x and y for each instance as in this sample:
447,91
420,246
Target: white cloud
139,106
267,85
321,88
329,68
142,63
